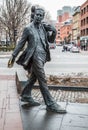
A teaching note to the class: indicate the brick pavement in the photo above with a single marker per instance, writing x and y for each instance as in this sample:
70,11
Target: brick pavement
10,118
64,96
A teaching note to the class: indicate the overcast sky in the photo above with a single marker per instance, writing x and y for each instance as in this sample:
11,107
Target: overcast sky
53,5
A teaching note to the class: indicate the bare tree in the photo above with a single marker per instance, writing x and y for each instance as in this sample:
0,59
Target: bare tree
14,14
47,17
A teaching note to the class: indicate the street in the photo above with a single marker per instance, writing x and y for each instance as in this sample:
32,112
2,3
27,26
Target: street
66,62
61,63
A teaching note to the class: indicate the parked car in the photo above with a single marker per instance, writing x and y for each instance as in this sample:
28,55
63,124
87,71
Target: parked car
74,49
69,47
52,45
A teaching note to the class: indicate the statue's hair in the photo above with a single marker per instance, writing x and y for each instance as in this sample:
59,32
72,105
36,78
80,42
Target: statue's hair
33,9
39,8
32,13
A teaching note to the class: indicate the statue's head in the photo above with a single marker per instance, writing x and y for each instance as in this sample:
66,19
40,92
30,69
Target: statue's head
39,15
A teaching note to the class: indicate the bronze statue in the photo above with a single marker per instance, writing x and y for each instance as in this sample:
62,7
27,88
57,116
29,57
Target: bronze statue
37,35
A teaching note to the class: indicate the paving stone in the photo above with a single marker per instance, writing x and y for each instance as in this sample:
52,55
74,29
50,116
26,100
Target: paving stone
12,108
73,128
75,120
63,96
81,109
2,118
13,121
10,118
3,103
39,119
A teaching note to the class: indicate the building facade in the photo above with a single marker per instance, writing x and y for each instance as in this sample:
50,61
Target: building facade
63,16
76,25
84,21
65,32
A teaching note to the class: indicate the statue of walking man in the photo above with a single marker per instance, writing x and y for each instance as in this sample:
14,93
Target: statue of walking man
37,53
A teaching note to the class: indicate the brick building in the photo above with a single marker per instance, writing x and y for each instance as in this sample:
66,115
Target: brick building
62,17
65,31
84,21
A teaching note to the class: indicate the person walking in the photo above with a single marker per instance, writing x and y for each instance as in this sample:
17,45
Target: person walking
37,35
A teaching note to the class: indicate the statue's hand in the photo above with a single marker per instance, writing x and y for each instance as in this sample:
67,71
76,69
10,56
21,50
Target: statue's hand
11,62
49,27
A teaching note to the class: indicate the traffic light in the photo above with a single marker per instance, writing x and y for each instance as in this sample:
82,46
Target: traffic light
15,32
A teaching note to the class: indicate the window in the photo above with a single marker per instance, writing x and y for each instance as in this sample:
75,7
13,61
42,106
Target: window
83,32
81,12
87,20
84,10
87,8
87,31
67,32
84,22
81,22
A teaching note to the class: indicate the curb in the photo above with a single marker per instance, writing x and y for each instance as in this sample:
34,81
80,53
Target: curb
20,81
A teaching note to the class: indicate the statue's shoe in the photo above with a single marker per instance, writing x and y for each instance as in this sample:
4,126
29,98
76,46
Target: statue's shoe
30,101
56,109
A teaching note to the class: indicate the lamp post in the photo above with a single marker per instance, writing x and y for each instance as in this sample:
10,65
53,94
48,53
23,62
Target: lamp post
6,36
15,35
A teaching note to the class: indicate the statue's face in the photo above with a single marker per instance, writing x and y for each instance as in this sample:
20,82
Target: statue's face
39,15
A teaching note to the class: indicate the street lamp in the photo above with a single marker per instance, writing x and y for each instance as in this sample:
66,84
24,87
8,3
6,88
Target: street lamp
15,35
6,36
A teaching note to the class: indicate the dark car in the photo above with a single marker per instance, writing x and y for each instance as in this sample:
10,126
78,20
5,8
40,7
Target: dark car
52,45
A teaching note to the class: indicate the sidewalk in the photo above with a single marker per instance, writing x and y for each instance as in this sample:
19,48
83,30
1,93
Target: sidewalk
37,118
10,118
84,52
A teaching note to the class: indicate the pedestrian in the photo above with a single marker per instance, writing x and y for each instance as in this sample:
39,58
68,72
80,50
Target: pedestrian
37,35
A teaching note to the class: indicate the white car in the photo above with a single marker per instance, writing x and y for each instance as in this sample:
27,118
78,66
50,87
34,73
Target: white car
69,47
74,49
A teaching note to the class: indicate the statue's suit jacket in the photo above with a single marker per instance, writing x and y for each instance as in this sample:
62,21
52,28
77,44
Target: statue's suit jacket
29,36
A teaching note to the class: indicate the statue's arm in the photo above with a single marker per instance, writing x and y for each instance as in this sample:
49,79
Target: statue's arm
18,48
51,36
21,43
51,32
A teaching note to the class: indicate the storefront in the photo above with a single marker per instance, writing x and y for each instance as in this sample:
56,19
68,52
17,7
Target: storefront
84,42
